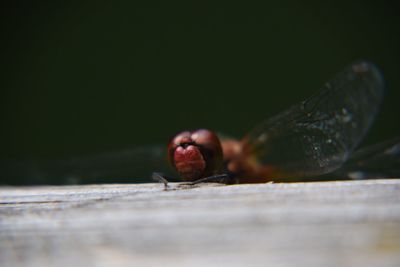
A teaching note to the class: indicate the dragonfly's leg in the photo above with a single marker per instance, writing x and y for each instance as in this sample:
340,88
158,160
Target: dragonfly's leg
218,178
160,177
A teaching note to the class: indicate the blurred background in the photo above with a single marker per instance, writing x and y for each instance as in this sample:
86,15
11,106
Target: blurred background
93,77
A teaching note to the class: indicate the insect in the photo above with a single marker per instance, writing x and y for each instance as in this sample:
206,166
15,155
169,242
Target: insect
311,140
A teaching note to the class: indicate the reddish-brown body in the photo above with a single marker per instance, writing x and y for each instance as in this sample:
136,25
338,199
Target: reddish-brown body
200,154
242,164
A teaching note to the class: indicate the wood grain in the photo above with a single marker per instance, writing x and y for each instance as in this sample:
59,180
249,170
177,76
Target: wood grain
352,223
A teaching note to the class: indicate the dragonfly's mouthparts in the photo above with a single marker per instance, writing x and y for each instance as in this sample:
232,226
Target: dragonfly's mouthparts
186,144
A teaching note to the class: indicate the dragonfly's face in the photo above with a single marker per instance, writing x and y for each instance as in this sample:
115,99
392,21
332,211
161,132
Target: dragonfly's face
196,154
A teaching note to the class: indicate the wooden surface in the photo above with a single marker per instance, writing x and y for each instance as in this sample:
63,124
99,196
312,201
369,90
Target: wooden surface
355,223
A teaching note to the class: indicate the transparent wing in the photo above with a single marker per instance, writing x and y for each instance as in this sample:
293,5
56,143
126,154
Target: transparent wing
378,161
134,165
317,135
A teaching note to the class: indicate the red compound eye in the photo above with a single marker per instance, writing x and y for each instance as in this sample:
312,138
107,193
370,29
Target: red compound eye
196,154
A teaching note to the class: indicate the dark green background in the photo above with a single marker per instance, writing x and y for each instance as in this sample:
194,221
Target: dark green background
94,76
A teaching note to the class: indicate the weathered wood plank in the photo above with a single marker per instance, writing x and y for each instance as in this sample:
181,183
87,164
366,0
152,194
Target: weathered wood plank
355,223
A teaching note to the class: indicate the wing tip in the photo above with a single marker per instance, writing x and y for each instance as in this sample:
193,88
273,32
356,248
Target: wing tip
367,67
362,65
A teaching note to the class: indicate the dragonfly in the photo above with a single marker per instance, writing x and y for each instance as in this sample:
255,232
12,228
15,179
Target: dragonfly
316,139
